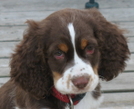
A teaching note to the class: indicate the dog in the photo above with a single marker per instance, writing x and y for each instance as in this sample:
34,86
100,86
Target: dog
61,59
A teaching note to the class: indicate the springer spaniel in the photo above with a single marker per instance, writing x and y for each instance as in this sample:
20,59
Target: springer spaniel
58,63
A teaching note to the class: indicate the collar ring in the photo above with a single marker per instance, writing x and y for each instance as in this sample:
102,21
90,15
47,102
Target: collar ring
71,105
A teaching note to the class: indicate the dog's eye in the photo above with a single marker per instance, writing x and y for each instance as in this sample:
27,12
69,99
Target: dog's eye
59,54
90,49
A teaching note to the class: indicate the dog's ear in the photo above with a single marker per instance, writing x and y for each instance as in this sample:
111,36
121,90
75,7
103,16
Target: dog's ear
29,68
112,45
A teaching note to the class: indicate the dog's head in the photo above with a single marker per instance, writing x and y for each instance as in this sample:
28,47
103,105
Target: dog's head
70,50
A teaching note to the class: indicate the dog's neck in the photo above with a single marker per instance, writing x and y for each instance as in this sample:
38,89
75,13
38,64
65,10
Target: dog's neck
72,99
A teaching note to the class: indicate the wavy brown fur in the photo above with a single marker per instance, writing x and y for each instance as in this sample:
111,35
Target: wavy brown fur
29,68
113,47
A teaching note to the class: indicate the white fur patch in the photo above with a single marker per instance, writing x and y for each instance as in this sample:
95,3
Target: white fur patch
89,102
79,68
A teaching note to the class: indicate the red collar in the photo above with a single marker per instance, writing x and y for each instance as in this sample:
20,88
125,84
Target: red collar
75,98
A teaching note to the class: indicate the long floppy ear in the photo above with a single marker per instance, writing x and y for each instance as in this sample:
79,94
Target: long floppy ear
112,45
29,68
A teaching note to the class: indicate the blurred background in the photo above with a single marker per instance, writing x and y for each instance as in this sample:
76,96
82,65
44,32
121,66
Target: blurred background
119,93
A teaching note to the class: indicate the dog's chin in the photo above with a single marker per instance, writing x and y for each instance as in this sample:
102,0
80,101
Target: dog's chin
80,92
76,90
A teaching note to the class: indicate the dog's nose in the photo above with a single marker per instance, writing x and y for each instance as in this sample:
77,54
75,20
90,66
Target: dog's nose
81,81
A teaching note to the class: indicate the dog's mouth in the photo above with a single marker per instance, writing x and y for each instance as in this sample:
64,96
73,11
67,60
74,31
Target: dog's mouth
76,84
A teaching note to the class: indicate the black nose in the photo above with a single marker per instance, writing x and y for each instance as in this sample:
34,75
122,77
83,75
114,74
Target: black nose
81,81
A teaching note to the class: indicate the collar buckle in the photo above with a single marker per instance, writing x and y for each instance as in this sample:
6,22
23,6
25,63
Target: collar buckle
71,105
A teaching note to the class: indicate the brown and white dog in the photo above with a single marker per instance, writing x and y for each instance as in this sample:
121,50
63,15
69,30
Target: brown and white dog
58,63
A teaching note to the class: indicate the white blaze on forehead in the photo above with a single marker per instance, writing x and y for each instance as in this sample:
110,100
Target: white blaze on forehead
72,34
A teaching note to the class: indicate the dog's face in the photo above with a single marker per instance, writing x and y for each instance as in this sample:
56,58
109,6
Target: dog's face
70,50
73,59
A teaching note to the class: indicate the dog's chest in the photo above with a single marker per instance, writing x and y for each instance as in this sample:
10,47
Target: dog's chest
88,102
